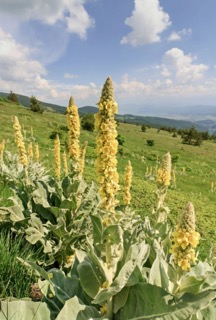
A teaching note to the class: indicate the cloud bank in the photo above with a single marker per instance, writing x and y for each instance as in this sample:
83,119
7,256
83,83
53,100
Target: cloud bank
147,21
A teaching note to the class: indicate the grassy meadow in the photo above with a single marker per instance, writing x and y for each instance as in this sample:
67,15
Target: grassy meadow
195,166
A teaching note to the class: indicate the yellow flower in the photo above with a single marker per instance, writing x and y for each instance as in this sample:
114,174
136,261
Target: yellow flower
185,239
30,150
37,153
65,166
74,133
20,143
107,147
2,146
57,158
103,309
164,171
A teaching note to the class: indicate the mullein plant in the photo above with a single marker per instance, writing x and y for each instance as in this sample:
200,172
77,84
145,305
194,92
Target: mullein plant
127,184
82,158
57,158
23,159
74,133
65,164
2,147
37,152
30,151
107,148
163,182
185,239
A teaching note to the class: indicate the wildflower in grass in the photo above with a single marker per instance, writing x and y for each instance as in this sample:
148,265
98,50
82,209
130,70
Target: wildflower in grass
32,133
82,158
164,171
185,240
2,147
57,158
20,143
65,165
74,133
30,151
163,181
37,153
127,184
107,147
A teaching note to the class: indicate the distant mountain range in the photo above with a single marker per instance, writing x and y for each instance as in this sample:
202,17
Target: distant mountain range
203,118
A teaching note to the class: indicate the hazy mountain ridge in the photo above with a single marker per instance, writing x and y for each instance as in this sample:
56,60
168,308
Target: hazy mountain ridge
181,120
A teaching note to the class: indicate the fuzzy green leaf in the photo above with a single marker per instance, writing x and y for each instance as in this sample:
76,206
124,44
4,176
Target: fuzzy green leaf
75,310
146,301
24,309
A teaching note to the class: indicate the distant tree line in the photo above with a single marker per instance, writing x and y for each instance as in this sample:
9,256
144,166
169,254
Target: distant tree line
190,136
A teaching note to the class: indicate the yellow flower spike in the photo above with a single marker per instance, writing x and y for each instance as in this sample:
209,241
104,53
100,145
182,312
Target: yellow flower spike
65,165
74,133
185,239
23,159
127,184
82,158
57,158
37,152
30,151
2,147
164,171
107,148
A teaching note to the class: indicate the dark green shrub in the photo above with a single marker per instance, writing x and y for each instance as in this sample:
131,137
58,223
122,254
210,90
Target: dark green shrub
63,128
54,133
143,128
13,97
121,140
87,122
150,143
35,105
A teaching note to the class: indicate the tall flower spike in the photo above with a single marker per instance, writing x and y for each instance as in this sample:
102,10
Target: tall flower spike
74,133
65,165
107,148
164,171
82,158
20,143
30,151
127,184
37,153
2,147
185,239
57,158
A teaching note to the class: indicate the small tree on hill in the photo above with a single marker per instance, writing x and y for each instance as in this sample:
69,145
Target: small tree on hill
13,97
87,122
35,105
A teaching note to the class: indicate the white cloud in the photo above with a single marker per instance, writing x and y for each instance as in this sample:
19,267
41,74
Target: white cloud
176,36
72,13
22,74
181,66
70,76
131,87
15,62
148,21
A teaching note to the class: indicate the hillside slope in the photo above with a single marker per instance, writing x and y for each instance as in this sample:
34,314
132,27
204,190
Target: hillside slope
195,166
155,122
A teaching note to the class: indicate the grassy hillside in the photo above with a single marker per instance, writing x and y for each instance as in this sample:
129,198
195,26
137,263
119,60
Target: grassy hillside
195,167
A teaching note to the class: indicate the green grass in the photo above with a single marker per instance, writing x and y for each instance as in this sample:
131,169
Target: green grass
194,185
15,280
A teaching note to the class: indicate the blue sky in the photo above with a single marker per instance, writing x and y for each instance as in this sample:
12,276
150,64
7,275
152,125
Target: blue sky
158,52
